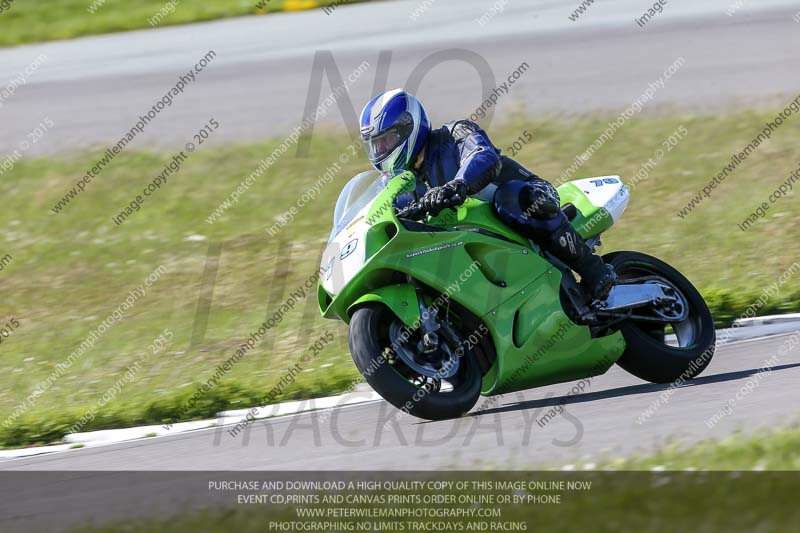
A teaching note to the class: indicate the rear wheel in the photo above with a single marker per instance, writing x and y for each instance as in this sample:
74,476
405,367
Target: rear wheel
435,386
669,350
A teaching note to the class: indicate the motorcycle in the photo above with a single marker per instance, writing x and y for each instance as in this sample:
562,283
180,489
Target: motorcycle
443,308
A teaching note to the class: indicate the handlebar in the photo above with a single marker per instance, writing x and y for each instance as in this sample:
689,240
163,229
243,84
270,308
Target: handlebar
413,211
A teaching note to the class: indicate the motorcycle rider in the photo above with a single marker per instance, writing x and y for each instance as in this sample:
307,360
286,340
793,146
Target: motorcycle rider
458,160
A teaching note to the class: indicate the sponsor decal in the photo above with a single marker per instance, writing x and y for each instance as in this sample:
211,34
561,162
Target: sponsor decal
434,249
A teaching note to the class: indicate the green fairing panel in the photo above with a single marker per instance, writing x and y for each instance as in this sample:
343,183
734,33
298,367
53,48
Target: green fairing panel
469,266
401,299
541,344
476,214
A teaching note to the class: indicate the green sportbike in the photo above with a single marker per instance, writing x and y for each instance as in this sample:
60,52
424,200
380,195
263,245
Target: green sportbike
445,308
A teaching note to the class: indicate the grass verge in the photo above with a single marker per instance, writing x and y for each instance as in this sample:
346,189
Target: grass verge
47,20
762,451
70,271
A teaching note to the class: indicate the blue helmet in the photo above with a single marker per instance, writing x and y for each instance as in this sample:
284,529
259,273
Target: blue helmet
394,128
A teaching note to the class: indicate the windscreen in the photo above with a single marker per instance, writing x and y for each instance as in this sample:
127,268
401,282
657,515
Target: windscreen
358,192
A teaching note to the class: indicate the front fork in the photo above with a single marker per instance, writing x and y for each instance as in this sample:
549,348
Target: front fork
428,323
430,327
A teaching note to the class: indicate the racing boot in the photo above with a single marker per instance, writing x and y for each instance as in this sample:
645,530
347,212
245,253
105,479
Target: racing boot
567,245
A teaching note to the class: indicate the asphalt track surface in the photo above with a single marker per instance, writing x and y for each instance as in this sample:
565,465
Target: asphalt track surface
512,431
58,490
94,89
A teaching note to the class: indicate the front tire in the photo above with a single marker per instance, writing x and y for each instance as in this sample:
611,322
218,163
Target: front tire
646,354
369,346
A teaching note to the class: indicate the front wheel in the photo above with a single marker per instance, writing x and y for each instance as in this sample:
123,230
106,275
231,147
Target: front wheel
434,386
651,353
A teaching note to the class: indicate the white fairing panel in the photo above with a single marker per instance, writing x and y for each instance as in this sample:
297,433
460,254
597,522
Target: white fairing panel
607,192
345,255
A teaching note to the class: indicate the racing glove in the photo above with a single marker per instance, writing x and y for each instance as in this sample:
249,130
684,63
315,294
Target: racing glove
451,194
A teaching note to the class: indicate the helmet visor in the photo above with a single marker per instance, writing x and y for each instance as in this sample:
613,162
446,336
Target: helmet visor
381,145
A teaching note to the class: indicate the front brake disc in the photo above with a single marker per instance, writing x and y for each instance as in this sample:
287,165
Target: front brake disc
448,360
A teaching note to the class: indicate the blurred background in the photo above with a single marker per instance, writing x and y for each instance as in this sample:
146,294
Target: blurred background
241,110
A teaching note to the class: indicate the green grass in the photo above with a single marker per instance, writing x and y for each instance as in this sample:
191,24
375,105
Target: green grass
71,270
769,450
46,20
728,498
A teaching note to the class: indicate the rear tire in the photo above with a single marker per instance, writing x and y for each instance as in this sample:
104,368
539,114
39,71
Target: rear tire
646,355
369,342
